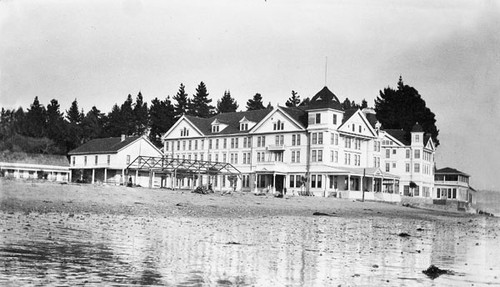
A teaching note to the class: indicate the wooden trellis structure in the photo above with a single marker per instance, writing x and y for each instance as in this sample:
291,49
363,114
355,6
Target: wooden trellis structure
181,166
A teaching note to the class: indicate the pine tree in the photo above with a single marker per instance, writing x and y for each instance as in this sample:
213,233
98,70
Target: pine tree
74,129
403,108
364,104
182,102
35,119
226,104
200,104
56,126
114,124
140,115
161,118
127,125
294,100
93,125
255,103
305,102
346,105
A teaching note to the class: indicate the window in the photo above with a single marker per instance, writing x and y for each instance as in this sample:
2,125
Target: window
296,140
210,144
278,156
73,160
376,146
195,156
209,157
216,157
246,180
320,138
279,140
359,129
184,132
347,142
407,167
417,138
334,119
393,165
417,153
128,159
394,151
183,145
236,143
314,138
320,179
232,142
196,145
178,145
357,144
454,193
335,156
225,144
202,156
376,161
417,168
318,118
243,126
166,146
353,127
279,125
224,157
317,155
189,145
295,156
217,144
96,159
215,128
292,180
387,167
387,153
408,153
313,181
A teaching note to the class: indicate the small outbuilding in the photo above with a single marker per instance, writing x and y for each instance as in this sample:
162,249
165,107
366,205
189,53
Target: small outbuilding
20,165
452,184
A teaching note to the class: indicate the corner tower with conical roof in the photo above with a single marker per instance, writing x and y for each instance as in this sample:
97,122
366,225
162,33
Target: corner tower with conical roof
324,109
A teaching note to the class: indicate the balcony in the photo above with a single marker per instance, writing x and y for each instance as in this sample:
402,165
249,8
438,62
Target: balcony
276,147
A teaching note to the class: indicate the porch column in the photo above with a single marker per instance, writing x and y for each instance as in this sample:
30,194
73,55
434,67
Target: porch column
136,176
285,183
362,184
348,182
326,181
393,186
373,183
382,184
69,176
274,183
93,175
123,177
105,175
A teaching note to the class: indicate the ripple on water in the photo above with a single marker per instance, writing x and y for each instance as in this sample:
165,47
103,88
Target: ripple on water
114,249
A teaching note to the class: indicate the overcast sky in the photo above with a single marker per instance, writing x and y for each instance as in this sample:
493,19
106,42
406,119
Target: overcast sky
100,52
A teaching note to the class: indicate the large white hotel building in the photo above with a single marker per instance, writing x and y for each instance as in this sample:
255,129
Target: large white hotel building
319,149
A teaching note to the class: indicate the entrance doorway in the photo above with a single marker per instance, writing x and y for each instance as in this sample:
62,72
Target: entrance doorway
280,182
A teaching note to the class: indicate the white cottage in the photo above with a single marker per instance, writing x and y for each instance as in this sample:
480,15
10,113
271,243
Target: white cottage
106,160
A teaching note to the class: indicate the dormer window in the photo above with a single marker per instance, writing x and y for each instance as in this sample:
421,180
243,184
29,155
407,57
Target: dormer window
243,126
215,128
184,132
417,138
279,125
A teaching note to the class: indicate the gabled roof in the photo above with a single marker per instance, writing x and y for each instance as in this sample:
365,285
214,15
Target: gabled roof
104,145
297,114
449,170
372,119
400,135
32,158
324,99
232,120
348,114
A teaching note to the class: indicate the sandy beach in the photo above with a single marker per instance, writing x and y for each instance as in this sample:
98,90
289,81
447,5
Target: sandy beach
85,198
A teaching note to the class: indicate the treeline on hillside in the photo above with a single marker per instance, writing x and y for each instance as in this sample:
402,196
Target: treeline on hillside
49,130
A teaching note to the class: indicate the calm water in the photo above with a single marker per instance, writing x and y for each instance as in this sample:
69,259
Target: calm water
57,249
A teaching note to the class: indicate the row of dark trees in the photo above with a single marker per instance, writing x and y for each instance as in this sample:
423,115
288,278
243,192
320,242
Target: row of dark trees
42,129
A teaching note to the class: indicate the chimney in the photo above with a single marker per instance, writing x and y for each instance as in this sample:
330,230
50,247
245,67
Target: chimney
123,137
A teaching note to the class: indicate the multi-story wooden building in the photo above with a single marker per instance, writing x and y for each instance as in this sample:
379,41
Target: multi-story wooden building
106,160
319,148
452,184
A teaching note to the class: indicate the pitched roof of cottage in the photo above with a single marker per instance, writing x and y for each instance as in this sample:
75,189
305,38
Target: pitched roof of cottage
104,145
324,99
32,158
232,120
449,170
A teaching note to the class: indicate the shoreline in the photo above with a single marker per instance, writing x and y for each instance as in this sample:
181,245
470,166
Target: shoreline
43,197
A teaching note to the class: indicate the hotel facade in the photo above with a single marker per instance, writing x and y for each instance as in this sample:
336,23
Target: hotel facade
319,149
